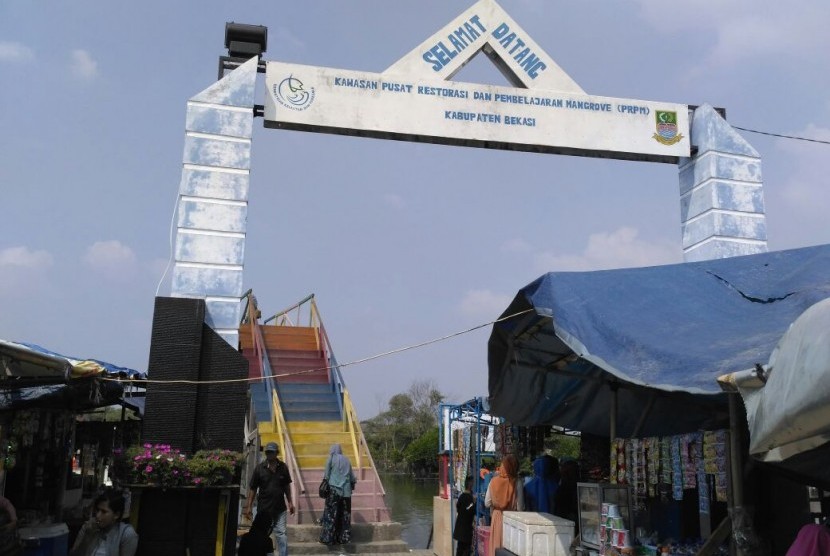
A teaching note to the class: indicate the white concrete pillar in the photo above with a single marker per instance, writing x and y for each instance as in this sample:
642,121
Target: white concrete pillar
721,192
213,198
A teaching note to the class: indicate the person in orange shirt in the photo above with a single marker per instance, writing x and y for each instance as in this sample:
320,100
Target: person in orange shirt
505,494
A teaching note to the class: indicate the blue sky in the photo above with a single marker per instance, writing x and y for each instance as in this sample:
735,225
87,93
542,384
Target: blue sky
400,242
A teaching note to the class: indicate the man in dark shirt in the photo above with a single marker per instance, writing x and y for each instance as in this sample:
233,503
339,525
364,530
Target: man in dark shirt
271,479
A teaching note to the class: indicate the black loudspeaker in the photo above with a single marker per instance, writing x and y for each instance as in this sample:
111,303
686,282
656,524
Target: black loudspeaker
194,416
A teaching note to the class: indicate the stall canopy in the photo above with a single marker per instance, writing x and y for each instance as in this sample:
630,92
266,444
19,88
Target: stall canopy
659,336
786,403
33,376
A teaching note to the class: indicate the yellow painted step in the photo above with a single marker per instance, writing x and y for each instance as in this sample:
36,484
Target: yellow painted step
315,426
322,438
265,438
265,427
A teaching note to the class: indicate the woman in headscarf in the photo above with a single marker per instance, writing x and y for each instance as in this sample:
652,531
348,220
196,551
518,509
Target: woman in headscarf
505,494
337,516
540,492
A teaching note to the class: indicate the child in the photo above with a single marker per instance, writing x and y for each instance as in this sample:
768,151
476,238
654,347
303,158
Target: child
466,511
257,541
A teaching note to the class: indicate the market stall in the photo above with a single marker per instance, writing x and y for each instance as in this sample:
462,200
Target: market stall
467,436
786,400
633,355
43,398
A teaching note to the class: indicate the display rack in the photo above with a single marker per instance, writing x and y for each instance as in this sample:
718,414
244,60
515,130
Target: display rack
473,412
591,497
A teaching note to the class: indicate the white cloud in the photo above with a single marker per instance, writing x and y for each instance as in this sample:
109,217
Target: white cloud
394,201
516,245
111,257
23,271
483,303
15,52
746,29
618,249
23,257
82,64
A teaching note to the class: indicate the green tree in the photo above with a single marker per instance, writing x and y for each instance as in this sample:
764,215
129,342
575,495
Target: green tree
422,454
410,415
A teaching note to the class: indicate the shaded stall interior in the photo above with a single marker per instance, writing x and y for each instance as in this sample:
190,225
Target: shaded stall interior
634,353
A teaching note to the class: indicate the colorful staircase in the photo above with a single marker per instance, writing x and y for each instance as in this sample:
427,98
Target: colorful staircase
305,408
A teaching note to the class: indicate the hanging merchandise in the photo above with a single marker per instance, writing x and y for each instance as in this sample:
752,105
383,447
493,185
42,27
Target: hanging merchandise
464,466
665,467
714,455
622,469
689,472
676,469
665,461
653,448
639,478
702,482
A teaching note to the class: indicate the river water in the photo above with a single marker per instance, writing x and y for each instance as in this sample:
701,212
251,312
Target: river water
410,503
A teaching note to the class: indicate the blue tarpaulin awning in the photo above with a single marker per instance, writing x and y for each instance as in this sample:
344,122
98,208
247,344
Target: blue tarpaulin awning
660,336
33,376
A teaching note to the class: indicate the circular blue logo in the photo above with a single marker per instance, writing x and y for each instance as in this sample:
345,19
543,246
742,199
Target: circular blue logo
291,93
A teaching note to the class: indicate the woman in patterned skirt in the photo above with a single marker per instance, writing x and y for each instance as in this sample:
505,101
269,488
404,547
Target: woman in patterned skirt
337,516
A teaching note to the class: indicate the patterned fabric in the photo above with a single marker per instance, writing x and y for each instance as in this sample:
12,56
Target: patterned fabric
653,447
337,520
676,469
702,481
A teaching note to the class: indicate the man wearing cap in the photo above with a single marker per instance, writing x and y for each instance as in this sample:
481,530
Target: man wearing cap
272,480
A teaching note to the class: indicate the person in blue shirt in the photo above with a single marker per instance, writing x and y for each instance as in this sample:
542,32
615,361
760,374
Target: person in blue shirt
540,491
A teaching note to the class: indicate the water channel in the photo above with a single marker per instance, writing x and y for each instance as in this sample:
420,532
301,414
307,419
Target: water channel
410,503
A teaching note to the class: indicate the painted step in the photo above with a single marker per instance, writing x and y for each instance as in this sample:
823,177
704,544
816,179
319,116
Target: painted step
374,532
276,354
311,387
313,426
363,516
384,531
294,376
304,448
322,449
310,374
322,439
290,337
311,415
311,407
321,398
319,462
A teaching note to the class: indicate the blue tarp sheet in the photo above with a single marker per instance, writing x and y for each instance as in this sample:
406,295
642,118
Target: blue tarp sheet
33,376
660,335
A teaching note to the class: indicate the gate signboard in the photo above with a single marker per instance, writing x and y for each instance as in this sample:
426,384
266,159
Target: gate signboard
416,99
391,106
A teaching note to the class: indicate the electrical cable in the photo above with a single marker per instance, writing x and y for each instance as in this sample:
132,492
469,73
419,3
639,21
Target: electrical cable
783,136
355,362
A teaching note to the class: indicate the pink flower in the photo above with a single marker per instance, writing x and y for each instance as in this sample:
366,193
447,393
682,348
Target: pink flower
197,480
148,469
